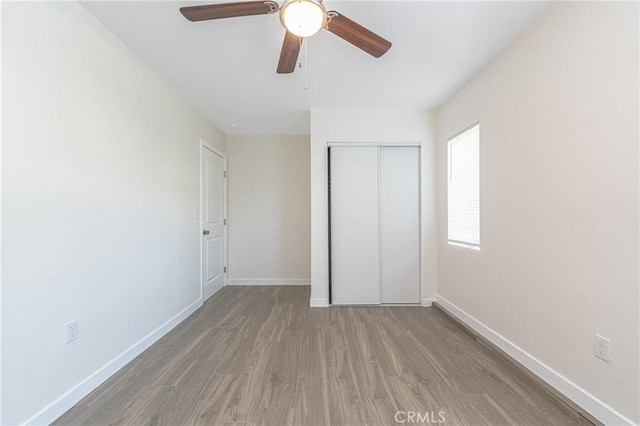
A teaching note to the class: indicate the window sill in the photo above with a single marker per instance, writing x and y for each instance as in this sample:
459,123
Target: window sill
466,245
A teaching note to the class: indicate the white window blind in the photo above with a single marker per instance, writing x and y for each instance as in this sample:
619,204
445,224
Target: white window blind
464,188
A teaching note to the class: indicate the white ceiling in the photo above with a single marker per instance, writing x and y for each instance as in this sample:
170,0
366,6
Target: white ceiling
227,67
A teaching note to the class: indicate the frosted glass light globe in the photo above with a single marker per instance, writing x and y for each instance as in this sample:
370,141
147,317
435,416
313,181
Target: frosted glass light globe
303,18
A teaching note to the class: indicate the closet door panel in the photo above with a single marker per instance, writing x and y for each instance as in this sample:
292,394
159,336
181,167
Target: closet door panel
400,224
355,268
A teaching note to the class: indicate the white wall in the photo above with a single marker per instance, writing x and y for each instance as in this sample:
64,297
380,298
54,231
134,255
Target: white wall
558,114
385,126
100,185
269,210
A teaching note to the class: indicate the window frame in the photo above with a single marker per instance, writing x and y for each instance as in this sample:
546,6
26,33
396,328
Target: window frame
450,140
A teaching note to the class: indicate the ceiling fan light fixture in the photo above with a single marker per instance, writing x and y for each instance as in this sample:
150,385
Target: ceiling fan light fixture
303,18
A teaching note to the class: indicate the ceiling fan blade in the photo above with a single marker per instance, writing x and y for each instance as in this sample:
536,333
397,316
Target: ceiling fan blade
289,53
229,10
357,35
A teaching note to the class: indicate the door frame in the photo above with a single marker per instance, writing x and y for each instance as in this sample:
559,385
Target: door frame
420,224
205,145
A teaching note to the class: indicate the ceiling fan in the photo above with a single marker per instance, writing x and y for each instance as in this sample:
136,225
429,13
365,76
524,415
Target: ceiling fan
301,19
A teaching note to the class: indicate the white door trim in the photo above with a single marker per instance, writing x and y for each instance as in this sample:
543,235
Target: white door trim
205,145
378,144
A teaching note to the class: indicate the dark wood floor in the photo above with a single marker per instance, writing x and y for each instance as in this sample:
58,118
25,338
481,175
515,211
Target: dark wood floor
260,355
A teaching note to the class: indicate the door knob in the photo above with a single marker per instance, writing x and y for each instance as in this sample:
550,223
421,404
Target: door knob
205,232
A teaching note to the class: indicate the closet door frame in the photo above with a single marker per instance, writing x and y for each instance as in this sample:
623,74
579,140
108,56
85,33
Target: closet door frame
378,145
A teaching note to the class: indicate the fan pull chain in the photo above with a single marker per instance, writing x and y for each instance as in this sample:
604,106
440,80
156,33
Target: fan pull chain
306,68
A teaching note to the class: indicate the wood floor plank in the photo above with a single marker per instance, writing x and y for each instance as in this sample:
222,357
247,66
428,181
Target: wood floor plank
145,408
243,401
374,390
273,416
312,359
344,398
311,407
198,405
408,395
261,356
280,377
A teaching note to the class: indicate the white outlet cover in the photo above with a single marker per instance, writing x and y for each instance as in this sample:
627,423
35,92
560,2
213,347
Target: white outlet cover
72,331
602,348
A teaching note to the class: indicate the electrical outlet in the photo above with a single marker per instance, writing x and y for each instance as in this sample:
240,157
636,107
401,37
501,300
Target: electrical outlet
72,331
601,347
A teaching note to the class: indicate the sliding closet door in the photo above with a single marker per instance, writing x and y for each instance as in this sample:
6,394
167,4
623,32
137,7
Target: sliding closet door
400,224
354,225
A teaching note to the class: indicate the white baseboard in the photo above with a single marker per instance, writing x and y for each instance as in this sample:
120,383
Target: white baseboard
319,303
427,301
58,407
579,396
269,281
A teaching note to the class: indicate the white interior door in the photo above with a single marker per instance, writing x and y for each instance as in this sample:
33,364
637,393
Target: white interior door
400,224
355,275
213,222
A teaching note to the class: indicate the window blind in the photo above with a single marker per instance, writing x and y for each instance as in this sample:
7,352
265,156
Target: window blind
463,188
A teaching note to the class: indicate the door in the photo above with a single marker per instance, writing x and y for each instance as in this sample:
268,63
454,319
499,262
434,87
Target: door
374,224
354,225
213,222
400,224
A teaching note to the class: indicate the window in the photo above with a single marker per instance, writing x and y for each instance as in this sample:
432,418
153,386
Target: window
463,188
